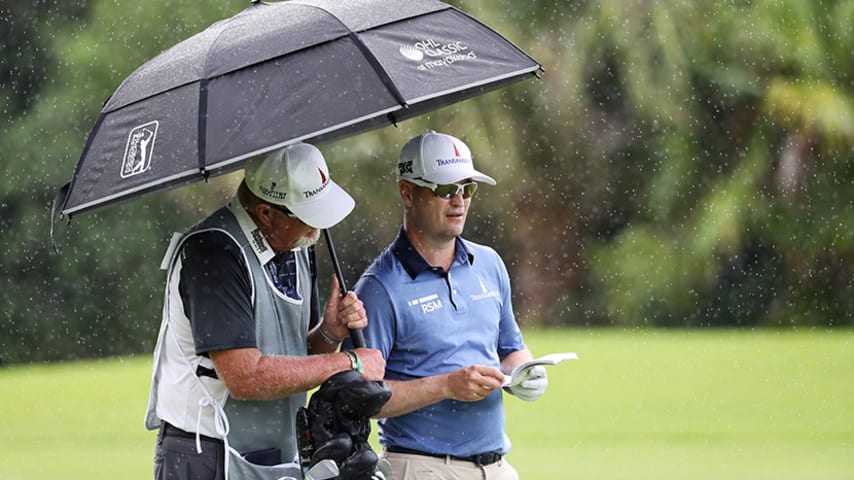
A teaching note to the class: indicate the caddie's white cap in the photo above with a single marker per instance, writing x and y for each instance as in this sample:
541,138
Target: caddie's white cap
297,177
438,158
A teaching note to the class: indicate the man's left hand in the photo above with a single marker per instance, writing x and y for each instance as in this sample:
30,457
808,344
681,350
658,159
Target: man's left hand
531,383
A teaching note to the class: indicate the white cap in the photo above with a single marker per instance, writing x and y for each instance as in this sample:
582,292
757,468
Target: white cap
297,177
438,158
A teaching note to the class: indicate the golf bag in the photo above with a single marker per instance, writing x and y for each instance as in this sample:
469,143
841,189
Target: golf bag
337,423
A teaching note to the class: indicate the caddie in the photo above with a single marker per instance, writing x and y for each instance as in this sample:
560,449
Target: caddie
242,337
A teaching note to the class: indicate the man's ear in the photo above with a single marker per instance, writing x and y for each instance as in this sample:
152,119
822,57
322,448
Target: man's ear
407,192
263,214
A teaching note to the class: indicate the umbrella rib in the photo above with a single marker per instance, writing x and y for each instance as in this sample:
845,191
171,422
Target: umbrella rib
378,69
372,59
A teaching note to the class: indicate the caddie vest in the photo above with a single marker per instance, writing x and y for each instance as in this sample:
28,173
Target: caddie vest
195,403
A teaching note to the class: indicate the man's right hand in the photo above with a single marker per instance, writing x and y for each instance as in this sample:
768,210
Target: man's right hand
473,383
373,363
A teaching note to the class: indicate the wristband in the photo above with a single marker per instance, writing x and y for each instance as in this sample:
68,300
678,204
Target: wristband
327,339
355,361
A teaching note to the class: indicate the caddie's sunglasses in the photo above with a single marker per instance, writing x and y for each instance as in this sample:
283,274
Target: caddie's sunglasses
447,191
282,209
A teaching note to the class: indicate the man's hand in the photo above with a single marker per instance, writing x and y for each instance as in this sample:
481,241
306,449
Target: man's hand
530,384
342,314
373,363
473,383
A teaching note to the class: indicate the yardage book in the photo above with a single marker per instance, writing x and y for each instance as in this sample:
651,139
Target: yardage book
550,359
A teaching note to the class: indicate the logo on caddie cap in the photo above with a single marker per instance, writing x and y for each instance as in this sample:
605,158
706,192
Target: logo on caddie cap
297,177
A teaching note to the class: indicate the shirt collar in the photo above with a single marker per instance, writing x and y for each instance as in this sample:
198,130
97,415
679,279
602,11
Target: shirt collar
414,263
253,234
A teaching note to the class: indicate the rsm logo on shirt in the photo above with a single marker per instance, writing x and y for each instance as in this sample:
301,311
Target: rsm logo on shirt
428,304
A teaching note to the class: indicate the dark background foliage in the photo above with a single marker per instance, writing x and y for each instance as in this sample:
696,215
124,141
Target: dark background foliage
680,164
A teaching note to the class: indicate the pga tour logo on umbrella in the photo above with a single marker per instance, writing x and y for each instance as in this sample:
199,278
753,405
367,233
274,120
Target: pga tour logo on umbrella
438,54
139,149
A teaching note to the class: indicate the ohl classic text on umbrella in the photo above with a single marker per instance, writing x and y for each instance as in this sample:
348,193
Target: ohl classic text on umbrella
280,73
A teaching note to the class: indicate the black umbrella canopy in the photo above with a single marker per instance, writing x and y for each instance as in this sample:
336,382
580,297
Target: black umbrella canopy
279,73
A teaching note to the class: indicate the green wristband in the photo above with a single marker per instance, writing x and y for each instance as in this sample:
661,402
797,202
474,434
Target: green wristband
355,361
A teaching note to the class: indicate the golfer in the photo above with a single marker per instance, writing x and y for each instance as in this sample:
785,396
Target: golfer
242,337
442,316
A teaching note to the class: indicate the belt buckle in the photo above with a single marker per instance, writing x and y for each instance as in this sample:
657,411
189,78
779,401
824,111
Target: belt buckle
484,459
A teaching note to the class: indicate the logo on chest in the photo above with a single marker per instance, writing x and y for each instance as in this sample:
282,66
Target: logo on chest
485,292
428,304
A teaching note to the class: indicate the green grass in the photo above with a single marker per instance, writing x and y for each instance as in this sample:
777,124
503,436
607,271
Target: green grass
642,404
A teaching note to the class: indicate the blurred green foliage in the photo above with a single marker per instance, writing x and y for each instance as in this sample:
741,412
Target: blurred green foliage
678,164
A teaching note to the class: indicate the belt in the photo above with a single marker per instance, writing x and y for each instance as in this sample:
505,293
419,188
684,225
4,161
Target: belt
480,459
170,430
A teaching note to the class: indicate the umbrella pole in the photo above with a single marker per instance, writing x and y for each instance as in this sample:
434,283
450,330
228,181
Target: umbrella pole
356,334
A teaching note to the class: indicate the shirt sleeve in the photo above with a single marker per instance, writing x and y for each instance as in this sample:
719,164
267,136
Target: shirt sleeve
380,331
509,335
217,294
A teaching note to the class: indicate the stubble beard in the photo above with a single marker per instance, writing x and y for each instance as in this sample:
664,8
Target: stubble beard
308,239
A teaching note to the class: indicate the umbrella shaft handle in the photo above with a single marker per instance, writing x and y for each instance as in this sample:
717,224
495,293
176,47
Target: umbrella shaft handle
357,338
356,335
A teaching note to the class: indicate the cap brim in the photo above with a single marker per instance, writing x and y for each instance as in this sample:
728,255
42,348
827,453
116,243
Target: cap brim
326,211
454,177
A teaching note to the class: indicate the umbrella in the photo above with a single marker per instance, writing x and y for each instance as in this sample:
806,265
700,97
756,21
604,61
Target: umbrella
277,74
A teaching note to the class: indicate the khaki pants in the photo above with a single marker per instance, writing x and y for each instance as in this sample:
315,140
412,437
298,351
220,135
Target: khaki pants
406,466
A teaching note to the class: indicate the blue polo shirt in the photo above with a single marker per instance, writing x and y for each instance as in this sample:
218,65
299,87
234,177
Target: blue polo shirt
426,322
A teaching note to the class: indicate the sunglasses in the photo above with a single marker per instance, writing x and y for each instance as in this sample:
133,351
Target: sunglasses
282,209
447,191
